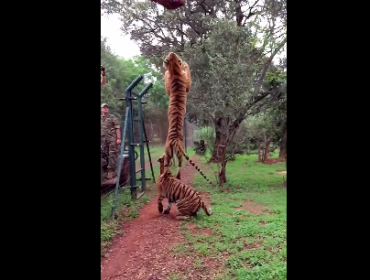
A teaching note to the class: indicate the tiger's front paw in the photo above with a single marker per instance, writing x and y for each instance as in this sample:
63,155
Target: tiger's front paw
160,207
210,211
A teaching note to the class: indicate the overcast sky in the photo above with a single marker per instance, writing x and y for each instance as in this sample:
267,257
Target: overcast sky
120,44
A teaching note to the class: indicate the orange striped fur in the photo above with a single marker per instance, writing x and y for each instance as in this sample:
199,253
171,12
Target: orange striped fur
187,199
177,84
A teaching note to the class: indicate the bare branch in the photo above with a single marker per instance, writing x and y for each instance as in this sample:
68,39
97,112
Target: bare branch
266,67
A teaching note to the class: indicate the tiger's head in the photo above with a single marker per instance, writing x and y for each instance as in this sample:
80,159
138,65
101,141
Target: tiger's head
161,160
171,60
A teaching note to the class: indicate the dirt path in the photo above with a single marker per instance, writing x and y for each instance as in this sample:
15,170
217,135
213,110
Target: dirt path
144,251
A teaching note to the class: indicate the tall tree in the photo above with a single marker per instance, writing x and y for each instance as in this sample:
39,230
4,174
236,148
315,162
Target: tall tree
226,69
158,31
229,45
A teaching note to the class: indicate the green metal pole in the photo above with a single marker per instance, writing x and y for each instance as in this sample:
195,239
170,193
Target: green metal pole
141,142
130,128
134,83
141,136
119,167
148,151
131,150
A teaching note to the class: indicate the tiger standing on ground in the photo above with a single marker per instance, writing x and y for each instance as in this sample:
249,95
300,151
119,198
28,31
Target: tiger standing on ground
177,84
187,199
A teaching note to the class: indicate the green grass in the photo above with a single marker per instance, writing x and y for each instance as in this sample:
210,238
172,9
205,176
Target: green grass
249,244
174,276
156,139
155,152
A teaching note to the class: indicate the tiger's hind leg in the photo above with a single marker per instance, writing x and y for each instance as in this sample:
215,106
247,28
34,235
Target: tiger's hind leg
181,216
182,207
167,158
179,158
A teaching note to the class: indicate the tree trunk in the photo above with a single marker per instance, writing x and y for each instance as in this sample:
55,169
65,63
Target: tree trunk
225,132
219,153
218,126
219,156
214,157
282,152
222,174
267,150
259,152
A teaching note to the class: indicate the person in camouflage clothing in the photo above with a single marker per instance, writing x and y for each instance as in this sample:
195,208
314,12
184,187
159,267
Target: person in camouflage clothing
111,140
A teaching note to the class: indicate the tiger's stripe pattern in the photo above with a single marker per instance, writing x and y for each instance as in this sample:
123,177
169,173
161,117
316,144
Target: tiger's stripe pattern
183,153
186,71
185,68
187,199
177,84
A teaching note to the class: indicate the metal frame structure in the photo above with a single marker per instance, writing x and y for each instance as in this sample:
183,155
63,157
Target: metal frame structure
129,129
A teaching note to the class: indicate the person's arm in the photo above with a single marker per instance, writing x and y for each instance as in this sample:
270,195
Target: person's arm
102,82
118,130
118,133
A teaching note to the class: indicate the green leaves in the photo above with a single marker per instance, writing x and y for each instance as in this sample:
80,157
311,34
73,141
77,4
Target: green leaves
121,72
223,69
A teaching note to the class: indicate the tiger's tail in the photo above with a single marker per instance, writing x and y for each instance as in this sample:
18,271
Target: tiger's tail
180,148
208,211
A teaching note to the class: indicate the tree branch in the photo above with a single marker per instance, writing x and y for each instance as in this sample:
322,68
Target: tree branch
192,27
266,67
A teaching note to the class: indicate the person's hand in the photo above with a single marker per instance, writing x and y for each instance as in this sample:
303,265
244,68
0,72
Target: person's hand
118,142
